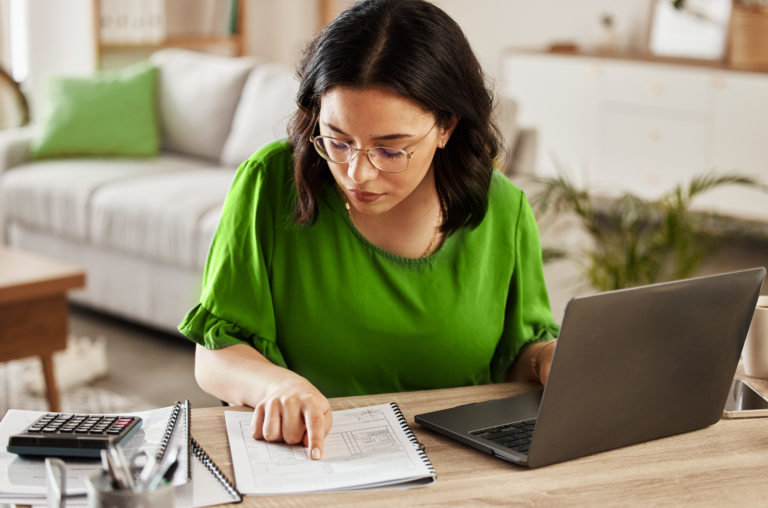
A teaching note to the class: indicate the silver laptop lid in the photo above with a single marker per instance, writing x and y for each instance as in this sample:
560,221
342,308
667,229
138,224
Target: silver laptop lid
643,363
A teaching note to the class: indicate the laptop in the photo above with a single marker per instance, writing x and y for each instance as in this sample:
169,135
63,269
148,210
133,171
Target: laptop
630,366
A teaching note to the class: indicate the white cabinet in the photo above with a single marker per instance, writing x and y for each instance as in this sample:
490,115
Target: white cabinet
557,97
644,126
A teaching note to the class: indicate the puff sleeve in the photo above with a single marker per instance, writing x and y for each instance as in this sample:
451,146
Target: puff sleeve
236,302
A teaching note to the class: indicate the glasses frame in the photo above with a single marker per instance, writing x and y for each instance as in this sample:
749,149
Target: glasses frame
354,151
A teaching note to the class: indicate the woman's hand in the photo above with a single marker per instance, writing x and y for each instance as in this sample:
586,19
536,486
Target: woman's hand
294,411
288,407
544,359
533,363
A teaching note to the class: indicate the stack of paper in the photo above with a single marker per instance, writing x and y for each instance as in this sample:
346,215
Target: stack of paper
367,448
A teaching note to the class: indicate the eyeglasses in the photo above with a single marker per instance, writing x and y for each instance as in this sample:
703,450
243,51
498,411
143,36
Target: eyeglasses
387,159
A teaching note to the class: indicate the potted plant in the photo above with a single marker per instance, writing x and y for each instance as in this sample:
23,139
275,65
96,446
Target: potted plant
635,241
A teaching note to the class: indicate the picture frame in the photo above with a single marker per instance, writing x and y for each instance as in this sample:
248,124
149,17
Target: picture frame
693,29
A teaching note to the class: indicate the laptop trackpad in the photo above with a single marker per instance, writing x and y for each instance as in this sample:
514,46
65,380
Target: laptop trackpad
481,415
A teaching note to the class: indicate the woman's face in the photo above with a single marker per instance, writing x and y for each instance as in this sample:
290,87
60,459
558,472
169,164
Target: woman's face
364,118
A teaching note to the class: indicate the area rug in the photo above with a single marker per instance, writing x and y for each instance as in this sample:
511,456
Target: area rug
21,384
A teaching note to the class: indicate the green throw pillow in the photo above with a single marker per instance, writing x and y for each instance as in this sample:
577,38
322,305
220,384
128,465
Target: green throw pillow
110,113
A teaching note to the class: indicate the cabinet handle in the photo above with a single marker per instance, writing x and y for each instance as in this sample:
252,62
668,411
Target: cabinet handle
653,89
653,134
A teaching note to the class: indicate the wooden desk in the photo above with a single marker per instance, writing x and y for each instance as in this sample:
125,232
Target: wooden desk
33,309
724,464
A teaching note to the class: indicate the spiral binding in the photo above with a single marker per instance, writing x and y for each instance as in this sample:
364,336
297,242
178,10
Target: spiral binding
409,434
168,431
214,469
188,436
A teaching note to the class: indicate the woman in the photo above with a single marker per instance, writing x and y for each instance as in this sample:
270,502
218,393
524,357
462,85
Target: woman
377,250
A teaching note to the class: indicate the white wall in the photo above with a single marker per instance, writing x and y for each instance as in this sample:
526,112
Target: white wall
492,25
279,29
60,38
5,33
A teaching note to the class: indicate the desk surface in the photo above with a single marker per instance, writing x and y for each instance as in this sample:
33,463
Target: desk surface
724,464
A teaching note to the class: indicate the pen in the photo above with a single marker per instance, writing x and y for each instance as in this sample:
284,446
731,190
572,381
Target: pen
171,462
121,466
147,472
115,474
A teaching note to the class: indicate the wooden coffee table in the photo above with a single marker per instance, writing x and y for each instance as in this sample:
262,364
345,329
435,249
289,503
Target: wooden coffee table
33,309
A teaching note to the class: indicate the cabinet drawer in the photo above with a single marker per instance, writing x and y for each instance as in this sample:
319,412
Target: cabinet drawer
653,139
649,156
657,86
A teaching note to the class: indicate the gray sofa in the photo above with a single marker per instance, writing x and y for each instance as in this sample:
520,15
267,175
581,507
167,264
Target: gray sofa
141,227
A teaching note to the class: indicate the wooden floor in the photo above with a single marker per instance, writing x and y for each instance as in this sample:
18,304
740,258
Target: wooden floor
143,362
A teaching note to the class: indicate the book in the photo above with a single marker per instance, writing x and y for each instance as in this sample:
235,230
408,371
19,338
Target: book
367,448
108,14
197,480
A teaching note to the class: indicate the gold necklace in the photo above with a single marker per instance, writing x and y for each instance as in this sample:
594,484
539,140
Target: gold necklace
431,242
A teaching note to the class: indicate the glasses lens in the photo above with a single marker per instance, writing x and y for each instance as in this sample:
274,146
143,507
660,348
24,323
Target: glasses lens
391,160
332,150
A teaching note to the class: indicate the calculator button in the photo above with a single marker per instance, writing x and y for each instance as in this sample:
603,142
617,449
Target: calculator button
49,430
81,431
114,431
34,429
67,431
97,431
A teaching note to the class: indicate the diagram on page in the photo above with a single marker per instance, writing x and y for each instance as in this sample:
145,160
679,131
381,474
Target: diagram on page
365,447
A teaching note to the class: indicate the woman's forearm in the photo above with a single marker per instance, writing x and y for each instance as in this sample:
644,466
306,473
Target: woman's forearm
237,374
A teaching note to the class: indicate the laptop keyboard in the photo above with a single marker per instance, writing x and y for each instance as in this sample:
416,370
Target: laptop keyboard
515,436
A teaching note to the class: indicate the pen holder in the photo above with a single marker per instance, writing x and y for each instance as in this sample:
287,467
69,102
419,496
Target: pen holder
102,495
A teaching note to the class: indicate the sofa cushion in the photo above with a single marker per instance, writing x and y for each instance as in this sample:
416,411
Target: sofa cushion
267,101
198,95
53,195
158,217
109,113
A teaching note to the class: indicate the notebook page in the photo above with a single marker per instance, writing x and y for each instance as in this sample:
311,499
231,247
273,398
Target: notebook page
366,448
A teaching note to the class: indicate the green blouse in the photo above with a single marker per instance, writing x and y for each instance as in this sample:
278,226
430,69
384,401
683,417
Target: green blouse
354,319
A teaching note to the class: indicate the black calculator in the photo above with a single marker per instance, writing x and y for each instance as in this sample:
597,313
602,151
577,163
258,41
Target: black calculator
71,435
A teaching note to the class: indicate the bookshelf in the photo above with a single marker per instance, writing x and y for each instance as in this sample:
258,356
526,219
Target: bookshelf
215,26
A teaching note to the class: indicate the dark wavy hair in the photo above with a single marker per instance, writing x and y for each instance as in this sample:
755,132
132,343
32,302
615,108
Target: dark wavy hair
416,50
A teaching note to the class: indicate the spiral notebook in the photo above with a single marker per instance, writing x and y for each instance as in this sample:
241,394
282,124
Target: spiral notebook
368,448
198,480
